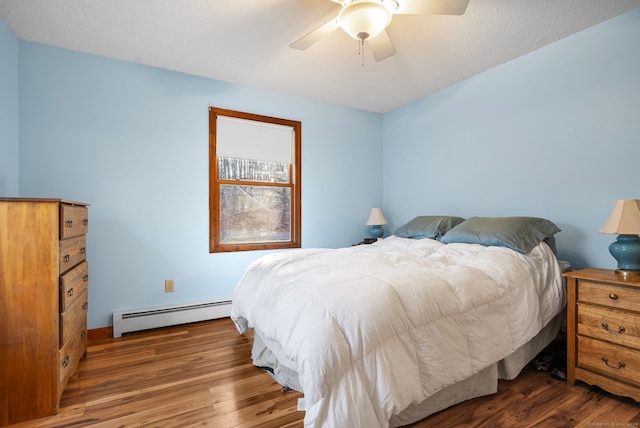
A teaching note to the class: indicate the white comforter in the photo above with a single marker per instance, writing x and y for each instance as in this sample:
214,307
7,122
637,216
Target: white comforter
373,328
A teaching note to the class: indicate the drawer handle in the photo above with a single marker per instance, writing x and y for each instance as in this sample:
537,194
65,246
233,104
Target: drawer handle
621,329
85,306
70,292
85,221
65,362
85,278
66,258
83,334
613,296
619,366
68,223
82,250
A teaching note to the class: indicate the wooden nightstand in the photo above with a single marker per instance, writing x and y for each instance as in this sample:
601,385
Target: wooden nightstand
366,241
603,331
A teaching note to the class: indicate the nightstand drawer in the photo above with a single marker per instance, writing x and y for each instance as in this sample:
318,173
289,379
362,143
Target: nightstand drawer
621,328
608,295
613,361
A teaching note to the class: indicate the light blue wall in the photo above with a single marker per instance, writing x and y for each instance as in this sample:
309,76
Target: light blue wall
555,133
8,111
133,142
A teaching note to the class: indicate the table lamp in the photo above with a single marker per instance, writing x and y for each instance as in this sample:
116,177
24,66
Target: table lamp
625,221
376,220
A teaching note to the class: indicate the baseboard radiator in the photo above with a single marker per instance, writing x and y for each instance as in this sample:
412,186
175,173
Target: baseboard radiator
164,316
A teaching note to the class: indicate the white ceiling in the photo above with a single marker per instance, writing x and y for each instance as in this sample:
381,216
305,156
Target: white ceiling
246,41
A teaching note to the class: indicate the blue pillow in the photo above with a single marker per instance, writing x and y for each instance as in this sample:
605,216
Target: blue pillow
521,234
425,226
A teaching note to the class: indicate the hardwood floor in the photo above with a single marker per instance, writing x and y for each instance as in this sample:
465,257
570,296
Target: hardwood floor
201,375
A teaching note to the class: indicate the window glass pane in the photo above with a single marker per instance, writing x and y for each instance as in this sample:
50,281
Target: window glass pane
254,214
253,170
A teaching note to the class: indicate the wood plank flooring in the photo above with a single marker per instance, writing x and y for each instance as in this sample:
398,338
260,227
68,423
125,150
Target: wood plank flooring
201,375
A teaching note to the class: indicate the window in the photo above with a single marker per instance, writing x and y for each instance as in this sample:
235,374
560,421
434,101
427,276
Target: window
254,182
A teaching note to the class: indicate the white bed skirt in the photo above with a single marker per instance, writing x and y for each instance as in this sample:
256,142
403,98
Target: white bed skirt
482,383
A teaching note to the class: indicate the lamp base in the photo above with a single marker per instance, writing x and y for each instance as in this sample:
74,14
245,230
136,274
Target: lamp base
376,231
627,273
626,251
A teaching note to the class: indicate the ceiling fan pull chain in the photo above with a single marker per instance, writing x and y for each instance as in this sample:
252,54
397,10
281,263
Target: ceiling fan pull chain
361,51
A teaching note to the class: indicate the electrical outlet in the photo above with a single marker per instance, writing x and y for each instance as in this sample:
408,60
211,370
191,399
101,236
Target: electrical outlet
168,286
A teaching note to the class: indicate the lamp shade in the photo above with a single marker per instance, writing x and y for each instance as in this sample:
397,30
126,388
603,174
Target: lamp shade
624,219
364,19
376,218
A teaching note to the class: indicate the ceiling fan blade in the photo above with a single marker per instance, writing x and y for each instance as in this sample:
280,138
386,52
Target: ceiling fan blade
310,38
432,7
381,47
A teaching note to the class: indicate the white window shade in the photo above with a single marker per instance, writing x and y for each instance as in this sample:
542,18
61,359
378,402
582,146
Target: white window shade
248,139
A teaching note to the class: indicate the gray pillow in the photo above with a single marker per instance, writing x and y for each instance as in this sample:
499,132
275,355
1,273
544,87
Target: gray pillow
427,226
521,234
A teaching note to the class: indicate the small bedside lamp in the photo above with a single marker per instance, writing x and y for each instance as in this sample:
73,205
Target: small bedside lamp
376,220
625,221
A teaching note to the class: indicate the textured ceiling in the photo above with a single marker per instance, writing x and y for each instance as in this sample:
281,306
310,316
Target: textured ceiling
246,41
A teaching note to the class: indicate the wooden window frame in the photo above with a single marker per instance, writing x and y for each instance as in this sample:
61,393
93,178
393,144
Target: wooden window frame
215,246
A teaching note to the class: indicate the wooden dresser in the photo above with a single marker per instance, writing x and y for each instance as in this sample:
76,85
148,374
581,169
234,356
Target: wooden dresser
44,277
603,331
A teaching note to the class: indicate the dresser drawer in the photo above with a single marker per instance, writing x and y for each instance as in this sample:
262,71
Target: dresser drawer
72,252
74,221
73,321
607,295
70,355
615,362
73,284
621,328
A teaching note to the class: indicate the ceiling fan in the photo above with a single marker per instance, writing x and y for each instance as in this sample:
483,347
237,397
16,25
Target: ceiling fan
367,20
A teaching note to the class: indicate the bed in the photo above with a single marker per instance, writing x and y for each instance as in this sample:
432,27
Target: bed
389,333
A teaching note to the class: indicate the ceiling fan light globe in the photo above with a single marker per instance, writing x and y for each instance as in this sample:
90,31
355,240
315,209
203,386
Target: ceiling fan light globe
364,18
